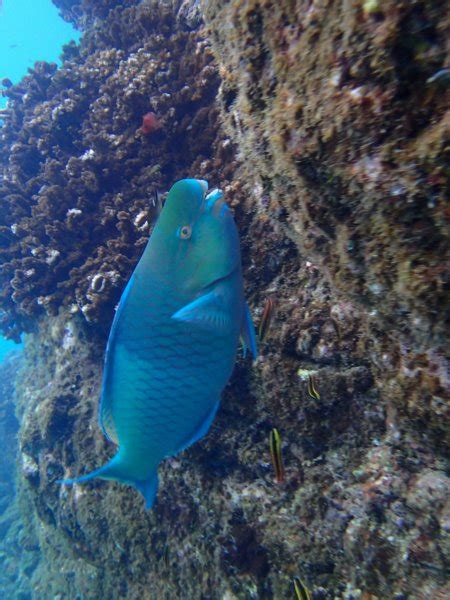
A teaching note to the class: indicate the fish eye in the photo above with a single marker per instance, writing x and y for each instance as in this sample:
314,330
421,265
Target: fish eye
184,232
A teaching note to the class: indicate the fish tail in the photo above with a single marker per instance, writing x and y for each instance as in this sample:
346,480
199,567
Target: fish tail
116,469
148,489
111,470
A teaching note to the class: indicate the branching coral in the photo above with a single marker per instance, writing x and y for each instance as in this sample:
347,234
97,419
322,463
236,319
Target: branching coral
78,175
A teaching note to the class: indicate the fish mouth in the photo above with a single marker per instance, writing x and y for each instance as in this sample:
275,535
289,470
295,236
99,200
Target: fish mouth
215,204
204,185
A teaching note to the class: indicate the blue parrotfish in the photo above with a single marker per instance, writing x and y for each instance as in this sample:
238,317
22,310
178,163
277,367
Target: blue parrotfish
174,338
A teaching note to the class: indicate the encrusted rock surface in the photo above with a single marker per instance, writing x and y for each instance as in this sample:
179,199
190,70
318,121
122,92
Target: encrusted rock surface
18,546
346,138
334,155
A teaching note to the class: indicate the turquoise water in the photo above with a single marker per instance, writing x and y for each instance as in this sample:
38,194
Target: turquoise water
30,30
6,346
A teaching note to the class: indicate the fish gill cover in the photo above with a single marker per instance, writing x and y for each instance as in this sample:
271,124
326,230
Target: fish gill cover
326,124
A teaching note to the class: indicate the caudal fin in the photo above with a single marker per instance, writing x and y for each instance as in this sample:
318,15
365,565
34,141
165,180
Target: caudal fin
148,489
117,470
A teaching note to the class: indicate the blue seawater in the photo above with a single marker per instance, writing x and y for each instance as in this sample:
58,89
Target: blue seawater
30,30
6,346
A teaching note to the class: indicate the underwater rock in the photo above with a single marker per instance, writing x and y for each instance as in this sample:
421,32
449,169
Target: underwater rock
355,144
18,548
84,13
333,154
9,426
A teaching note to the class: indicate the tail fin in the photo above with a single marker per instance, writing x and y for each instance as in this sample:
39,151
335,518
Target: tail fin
116,470
148,489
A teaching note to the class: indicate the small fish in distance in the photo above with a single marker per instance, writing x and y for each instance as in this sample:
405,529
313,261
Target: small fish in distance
301,591
312,391
173,341
150,123
276,455
266,318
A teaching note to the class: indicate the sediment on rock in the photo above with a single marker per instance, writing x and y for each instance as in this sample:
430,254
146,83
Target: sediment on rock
19,551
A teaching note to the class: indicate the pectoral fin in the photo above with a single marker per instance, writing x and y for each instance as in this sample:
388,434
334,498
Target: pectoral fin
248,336
208,312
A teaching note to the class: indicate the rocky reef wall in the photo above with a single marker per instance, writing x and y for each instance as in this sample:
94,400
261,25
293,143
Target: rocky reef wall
17,554
342,115
326,124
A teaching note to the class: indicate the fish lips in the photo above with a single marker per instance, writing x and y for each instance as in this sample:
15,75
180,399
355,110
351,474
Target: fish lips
215,204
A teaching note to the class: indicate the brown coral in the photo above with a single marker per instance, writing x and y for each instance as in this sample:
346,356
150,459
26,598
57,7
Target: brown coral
77,174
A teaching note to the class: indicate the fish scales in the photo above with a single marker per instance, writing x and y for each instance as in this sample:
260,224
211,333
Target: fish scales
173,342
169,361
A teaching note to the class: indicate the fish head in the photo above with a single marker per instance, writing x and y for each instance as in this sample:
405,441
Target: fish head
196,236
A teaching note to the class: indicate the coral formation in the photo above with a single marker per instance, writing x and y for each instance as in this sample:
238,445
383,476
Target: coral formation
77,179
334,156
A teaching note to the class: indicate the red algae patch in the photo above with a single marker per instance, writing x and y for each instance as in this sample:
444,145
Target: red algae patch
150,123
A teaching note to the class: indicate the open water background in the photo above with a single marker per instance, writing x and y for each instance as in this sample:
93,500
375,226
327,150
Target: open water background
30,30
